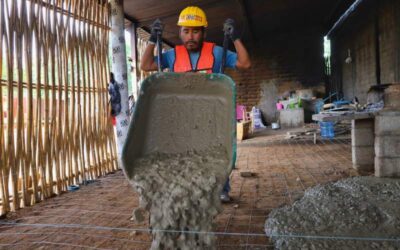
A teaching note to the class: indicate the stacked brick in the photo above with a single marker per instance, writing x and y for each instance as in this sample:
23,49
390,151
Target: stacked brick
362,142
387,135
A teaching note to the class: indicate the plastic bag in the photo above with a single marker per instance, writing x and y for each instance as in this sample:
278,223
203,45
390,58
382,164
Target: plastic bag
257,121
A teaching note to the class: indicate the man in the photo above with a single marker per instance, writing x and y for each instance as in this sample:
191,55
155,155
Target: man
196,55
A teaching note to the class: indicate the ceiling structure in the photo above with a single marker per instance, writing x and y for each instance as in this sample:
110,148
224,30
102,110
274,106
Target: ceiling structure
256,18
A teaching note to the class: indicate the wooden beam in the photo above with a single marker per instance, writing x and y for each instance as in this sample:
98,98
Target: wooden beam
175,13
131,19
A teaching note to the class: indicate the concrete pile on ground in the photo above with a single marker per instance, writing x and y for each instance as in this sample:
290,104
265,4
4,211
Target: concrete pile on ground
181,192
354,213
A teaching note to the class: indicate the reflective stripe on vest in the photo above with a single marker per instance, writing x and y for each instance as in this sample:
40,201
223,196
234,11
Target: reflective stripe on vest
205,61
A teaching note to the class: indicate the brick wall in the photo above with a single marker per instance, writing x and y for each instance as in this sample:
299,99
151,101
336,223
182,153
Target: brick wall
280,63
358,34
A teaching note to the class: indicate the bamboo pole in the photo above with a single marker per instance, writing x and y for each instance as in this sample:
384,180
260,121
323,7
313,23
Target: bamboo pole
65,141
21,163
54,122
11,135
47,132
58,138
74,155
79,139
95,97
4,83
4,160
89,100
30,161
39,131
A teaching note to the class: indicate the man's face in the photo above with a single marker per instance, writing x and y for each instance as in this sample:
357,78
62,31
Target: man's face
192,37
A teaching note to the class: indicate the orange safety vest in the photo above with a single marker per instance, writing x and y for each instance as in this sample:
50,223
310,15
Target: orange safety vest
204,63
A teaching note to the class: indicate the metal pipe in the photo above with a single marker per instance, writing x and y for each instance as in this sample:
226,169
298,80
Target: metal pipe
343,18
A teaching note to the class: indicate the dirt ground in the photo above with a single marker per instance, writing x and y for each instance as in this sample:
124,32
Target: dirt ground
98,216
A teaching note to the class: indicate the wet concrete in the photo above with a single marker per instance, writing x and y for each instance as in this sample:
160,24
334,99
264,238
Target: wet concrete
179,151
349,214
181,192
180,112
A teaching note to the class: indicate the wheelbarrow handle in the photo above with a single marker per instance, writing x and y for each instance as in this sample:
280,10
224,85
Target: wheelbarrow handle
225,49
159,51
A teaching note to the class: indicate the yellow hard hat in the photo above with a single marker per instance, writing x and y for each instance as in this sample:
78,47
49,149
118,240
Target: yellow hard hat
192,16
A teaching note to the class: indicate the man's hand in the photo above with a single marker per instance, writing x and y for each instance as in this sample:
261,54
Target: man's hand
156,28
231,30
147,63
243,59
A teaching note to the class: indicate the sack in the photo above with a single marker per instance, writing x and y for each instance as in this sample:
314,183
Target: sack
257,122
115,98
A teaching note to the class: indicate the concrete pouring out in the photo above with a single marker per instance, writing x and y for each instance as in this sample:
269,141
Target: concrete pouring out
354,213
179,153
181,192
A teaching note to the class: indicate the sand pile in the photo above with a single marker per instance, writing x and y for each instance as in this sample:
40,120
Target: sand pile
333,215
181,192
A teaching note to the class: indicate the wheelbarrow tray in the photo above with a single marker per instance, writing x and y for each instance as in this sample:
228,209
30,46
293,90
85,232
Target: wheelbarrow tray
176,113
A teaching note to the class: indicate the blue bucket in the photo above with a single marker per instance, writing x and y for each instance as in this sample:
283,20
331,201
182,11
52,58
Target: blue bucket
327,129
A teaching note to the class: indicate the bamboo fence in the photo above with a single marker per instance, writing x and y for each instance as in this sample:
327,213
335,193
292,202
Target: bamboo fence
55,128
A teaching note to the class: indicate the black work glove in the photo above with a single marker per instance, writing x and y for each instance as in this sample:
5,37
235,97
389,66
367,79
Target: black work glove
231,30
156,28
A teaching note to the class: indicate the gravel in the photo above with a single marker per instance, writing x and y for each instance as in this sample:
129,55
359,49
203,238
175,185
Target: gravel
349,214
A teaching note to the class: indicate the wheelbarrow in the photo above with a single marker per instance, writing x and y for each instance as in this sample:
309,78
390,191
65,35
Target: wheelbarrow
177,113
181,112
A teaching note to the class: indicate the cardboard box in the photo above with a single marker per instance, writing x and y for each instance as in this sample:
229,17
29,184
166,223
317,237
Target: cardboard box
243,130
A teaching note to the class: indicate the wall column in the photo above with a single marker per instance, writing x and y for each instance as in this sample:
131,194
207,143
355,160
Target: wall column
119,69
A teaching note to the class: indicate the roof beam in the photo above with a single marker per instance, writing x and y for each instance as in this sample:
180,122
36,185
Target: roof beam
344,17
133,20
201,3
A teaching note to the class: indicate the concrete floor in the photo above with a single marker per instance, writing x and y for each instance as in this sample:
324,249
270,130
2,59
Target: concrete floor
98,215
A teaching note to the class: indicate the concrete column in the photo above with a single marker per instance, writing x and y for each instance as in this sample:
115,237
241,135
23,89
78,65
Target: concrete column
119,68
362,142
387,135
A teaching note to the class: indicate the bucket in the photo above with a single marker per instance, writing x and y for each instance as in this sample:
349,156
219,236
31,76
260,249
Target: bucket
327,129
279,106
240,113
275,125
